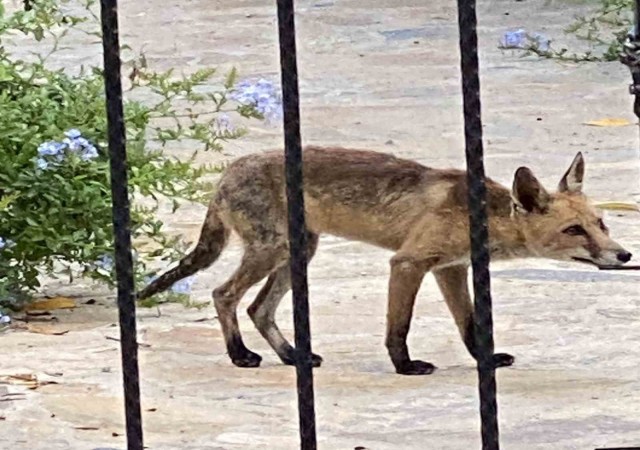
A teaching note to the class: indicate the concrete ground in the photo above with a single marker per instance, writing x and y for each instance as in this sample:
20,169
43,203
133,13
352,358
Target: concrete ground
381,75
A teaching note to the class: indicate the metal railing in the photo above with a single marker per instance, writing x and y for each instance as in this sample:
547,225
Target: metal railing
297,232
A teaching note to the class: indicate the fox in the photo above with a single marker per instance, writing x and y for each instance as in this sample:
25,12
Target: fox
417,212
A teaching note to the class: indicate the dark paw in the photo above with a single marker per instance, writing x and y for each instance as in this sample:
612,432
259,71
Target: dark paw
503,360
415,368
249,359
289,358
316,360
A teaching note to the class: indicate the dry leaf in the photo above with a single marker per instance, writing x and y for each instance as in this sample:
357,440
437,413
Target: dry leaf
620,206
52,303
46,328
20,377
609,122
28,380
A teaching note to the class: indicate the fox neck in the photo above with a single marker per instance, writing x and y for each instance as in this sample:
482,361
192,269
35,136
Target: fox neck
506,239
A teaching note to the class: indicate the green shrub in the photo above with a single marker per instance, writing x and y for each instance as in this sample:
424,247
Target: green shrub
55,198
604,29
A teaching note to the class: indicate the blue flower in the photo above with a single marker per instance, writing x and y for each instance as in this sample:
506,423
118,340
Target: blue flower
262,95
42,163
514,39
183,286
105,262
54,152
82,142
51,148
73,133
523,40
223,122
540,41
88,153
86,148
72,144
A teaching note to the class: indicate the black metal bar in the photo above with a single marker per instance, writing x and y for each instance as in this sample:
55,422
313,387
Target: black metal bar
635,71
297,230
637,18
478,228
121,223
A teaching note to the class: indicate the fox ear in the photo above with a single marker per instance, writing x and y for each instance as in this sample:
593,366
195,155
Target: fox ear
529,193
572,179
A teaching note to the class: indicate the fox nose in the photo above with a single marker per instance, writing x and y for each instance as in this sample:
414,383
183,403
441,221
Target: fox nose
624,256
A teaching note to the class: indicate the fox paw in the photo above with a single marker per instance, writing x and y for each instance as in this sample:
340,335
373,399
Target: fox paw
503,360
289,358
415,367
248,359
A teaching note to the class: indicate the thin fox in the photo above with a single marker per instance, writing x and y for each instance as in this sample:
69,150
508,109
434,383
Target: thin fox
420,213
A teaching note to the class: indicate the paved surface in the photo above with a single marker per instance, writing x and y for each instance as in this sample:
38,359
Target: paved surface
382,75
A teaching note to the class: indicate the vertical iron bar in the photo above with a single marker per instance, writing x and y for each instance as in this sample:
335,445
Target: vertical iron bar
479,235
121,222
637,19
635,71
297,230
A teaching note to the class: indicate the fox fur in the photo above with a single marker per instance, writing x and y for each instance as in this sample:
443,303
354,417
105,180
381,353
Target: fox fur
417,212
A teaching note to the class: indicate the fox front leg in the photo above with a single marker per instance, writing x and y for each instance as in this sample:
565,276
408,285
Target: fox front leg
452,282
406,277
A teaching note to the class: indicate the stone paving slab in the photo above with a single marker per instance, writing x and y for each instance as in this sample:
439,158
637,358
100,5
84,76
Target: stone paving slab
381,75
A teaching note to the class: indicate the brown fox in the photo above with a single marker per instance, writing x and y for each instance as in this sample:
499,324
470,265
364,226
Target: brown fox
420,213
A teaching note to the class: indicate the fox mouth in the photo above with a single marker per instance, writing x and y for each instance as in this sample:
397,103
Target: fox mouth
586,261
595,264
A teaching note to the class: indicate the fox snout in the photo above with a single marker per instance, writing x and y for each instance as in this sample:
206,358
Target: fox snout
624,256
613,255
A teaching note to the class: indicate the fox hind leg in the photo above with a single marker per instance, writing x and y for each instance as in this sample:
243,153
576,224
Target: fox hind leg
262,311
258,261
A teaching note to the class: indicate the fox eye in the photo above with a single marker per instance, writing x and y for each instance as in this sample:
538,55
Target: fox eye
575,230
602,226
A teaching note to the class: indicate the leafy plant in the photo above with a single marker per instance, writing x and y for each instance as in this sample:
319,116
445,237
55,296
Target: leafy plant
55,198
605,29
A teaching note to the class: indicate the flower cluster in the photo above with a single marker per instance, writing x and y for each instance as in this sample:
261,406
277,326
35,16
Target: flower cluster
54,152
105,262
523,40
262,95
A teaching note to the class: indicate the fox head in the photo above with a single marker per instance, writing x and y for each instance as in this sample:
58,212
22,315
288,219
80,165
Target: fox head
563,225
